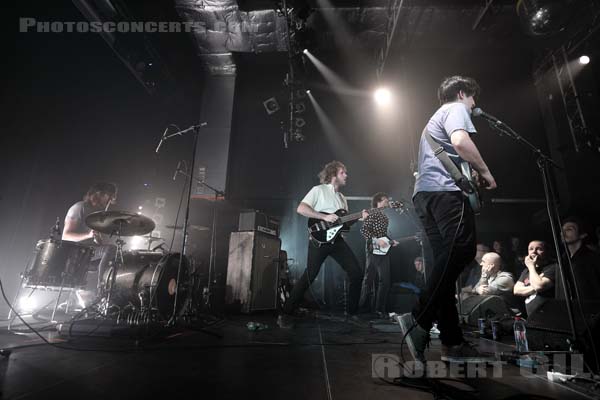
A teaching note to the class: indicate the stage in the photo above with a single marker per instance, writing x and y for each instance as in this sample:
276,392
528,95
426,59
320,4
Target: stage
324,356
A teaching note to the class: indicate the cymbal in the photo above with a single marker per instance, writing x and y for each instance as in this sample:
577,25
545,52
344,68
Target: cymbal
192,227
119,223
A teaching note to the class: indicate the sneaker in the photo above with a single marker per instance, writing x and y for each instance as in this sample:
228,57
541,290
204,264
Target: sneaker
416,337
285,321
464,353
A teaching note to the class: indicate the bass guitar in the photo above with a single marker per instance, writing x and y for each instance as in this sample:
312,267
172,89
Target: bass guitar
322,232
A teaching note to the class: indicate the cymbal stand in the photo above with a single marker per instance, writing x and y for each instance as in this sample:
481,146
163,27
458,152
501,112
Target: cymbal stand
115,267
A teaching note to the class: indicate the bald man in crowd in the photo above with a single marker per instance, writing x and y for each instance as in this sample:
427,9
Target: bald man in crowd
493,280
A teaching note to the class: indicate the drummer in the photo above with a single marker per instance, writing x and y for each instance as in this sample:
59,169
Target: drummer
98,198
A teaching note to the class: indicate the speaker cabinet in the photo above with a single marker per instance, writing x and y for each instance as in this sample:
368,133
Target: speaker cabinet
252,271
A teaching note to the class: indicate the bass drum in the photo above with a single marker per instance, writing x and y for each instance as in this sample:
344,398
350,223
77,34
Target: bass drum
58,263
149,279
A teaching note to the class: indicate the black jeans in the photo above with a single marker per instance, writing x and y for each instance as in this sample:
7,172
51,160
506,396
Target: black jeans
449,224
343,255
377,266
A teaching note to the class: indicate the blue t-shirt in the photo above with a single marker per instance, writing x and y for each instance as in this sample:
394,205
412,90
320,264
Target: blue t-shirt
432,176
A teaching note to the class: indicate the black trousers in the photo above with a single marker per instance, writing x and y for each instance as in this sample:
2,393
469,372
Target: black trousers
449,224
343,255
377,266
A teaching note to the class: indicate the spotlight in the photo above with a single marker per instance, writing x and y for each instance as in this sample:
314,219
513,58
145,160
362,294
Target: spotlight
584,60
305,51
382,96
299,122
308,92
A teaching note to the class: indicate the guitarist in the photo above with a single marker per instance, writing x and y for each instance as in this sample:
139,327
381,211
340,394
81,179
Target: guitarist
321,202
448,221
375,229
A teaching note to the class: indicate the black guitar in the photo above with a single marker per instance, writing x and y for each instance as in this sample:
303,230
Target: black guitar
322,232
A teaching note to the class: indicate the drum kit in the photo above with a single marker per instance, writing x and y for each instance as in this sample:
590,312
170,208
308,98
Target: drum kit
138,286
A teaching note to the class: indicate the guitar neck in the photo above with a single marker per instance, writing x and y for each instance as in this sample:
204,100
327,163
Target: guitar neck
357,215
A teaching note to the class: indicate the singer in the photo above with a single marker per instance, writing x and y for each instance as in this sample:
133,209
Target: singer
448,220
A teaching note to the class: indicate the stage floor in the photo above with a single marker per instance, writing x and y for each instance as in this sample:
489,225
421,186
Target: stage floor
323,357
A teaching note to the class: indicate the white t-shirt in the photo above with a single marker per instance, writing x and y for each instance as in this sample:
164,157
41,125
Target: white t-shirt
324,198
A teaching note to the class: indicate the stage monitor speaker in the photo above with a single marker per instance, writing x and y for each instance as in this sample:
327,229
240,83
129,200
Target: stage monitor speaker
487,307
252,271
549,328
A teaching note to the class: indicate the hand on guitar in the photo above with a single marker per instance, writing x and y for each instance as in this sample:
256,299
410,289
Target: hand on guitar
395,243
365,214
485,180
383,244
330,218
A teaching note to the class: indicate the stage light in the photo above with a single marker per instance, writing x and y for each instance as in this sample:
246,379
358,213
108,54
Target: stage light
584,60
307,91
305,51
383,96
140,208
271,105
27,303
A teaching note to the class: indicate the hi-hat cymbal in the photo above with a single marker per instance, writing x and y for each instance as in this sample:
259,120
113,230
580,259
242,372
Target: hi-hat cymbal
119,223
192,227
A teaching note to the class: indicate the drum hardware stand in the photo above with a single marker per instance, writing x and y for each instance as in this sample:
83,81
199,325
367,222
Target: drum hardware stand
115,267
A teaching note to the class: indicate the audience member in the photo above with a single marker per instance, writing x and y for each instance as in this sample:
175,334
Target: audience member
585,263
419,273
493,281
536,283
471,274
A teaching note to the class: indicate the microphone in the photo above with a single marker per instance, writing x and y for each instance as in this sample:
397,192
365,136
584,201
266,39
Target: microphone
177,170
478,112
202,124
162,138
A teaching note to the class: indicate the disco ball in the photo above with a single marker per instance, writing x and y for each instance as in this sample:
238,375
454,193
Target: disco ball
541,18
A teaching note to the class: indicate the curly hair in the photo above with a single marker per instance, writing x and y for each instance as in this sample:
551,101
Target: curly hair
377,197
330,170
452,86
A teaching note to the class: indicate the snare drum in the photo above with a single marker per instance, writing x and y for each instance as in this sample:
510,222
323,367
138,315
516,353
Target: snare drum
58,263
148,279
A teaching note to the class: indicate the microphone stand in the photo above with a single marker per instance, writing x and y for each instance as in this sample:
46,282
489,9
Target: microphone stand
196,131
213,241
544,162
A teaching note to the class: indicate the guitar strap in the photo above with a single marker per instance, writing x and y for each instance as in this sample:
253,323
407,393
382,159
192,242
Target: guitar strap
461,181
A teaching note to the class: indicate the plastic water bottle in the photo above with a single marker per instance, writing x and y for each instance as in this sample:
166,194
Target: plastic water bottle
520,335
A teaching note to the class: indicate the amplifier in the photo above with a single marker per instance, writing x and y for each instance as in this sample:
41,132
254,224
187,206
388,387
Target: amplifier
253,220
252,272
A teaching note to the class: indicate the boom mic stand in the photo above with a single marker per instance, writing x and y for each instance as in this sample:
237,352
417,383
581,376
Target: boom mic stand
213,241
195,129
544,162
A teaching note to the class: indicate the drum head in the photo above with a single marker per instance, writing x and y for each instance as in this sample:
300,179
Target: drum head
166,285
